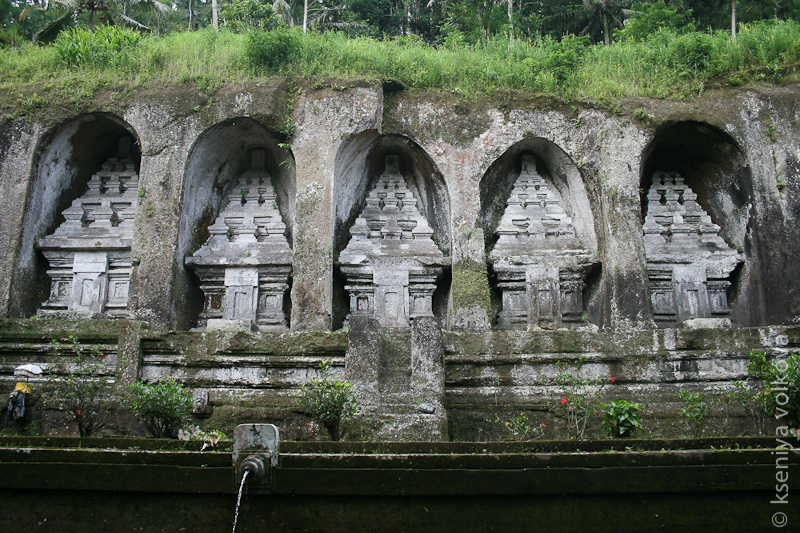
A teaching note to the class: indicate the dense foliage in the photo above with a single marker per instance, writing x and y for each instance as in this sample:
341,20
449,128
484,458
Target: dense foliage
330,401
469,47
621,419
163,406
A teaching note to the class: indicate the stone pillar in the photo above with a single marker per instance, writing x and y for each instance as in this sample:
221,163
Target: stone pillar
363,357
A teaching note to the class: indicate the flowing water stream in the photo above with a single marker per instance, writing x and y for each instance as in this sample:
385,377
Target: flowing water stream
239,499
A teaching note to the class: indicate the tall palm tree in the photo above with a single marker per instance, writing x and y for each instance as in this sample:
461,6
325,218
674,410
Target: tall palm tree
606,12
109,11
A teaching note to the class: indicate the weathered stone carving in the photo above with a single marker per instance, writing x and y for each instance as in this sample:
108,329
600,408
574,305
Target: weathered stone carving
688,263
539,261
244,265
201,407
391,262
90,252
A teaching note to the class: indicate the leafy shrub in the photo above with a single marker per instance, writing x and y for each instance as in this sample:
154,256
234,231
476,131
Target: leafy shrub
107,46
243,15
694,411
329,401
621,419
274,50
647,19
83,392
693,51
162,406
565,56
581,396
780,381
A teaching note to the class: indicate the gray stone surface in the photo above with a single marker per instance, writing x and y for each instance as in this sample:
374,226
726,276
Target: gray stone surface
688,263
736,152
597,163
391,262
262,439
539,261
244,265
89,253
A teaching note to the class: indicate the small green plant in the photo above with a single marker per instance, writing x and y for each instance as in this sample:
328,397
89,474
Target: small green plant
519,428
694,411
771,131
750,399
162,406
330,401
642,114
581,397
621,420
82,391
780,383
209,438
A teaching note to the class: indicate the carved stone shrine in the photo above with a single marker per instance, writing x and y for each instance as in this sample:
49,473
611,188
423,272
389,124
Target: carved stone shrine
90,252
244,265
688,263
391,262
539,262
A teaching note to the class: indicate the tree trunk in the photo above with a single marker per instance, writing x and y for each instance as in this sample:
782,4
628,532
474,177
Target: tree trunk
305,15
511,19
190,16
214,16
91,20
733,19
605,29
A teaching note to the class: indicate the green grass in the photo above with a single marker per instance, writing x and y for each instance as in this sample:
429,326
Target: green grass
666,66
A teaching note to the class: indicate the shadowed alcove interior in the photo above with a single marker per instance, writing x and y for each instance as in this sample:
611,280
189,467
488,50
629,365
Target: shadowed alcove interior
71,154
359,163
714,167
220,155
559,171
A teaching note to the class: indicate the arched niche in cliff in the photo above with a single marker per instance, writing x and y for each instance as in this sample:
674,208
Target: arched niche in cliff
360,163
707,162
71,153
539,236
223,158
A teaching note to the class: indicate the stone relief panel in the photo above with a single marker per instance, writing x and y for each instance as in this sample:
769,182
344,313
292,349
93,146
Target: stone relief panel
89,254
539,261
245,264
688,263
391,262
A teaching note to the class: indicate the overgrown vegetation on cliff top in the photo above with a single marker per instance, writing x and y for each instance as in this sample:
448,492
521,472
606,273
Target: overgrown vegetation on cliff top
666,65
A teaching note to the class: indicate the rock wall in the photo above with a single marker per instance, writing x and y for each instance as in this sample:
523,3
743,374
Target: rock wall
325,149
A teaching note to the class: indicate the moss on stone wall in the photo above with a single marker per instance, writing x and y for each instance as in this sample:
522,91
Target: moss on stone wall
471,286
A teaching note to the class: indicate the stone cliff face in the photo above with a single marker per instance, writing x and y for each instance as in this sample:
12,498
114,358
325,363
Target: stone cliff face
736,152
541,217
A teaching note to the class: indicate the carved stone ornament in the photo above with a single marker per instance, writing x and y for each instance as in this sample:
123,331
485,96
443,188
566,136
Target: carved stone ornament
90,252
244,265
539,262
688,263
391,262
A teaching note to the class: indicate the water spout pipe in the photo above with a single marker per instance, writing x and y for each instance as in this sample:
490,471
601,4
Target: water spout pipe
254,465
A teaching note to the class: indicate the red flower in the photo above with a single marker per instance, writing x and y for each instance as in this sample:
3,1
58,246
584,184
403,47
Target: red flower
563,401
543,426
597,412
62,340
612,379
78,412
102,355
